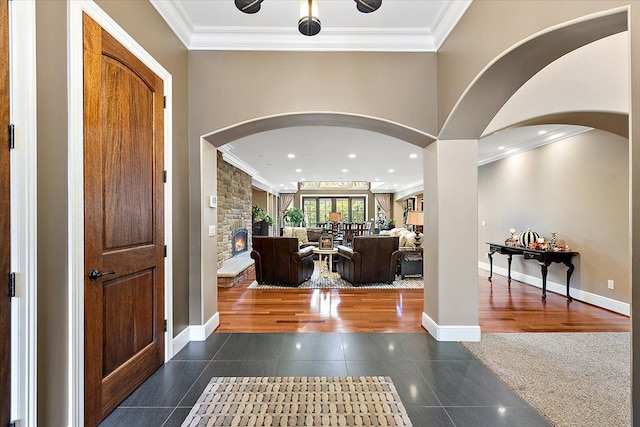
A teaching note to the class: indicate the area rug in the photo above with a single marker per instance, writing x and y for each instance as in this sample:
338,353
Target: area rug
334,281
572,379
298,401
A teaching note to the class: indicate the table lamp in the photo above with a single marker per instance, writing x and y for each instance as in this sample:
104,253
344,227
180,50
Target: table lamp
416,218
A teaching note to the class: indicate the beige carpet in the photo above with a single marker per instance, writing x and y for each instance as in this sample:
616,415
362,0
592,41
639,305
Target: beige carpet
298,401
572,379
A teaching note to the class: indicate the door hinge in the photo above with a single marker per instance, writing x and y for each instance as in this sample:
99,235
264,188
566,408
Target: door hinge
164,176
12,424
12,137
165,251
12,285
165,325
165,101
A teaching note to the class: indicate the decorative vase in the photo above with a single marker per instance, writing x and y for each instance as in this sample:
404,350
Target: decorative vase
527,237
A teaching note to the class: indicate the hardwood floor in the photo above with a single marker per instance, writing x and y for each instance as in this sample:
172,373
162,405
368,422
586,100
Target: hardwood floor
518,308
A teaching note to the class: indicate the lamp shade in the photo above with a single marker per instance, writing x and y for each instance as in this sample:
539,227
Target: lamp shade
335,217
415,218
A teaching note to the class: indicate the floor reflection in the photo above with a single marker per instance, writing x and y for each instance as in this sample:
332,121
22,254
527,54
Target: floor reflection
325,303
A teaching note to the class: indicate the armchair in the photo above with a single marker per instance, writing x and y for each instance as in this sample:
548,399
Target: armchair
279,261
371,259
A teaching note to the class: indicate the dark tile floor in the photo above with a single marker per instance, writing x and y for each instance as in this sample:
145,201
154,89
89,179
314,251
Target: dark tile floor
440,383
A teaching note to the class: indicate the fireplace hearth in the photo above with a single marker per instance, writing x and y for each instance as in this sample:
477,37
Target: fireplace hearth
239,242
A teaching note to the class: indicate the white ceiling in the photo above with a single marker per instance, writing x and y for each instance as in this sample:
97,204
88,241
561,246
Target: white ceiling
322,154
398,26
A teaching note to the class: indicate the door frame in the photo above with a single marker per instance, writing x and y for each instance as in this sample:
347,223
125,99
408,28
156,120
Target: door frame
22,54
76,191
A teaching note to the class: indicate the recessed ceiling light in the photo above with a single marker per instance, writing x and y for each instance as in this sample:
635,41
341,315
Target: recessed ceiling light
377,179
413,156
281,185
291,155
352,156
391,171
501,147
298,170
542,132
395,185
345,170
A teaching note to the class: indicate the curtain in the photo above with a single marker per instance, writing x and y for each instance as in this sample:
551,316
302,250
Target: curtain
384,201
285,201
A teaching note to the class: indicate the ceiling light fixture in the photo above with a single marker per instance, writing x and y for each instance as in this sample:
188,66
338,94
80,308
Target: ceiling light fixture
391,170
501,147
344,170
413,156
291,156
542,132
309,23
298,170
352,156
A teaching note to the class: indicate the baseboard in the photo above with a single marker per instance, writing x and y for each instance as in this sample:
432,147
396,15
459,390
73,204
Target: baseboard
578,294
450,332
181,340
202,332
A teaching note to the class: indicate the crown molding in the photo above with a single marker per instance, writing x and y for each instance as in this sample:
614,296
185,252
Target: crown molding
330,39
447,19
177,19
256,180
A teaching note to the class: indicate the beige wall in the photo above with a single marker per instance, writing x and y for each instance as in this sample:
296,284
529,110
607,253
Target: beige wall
577,187
52,298
230,87
635,209
259,197
490,27
142,22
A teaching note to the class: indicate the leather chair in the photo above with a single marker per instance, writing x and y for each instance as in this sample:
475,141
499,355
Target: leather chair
370,259
279,261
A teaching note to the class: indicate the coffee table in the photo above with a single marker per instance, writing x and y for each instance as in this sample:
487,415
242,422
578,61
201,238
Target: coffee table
325,273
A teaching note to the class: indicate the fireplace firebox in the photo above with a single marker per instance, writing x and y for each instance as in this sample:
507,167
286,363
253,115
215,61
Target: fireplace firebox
239,242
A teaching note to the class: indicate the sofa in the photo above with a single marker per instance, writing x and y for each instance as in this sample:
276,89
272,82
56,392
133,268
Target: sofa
406,238
307,236
280,260
370,259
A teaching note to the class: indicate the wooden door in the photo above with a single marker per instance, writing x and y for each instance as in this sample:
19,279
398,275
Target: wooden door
5,223
124,228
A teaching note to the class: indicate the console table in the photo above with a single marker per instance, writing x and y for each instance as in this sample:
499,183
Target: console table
544,258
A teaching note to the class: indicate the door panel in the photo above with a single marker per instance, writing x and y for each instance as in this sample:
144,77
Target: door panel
124,229
5,222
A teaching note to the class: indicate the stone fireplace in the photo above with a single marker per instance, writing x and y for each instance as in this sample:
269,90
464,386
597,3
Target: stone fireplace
239,241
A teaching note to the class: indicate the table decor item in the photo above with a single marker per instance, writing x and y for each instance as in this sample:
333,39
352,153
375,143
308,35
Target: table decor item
527,237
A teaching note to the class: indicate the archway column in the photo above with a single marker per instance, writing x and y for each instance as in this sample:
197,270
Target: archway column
450,247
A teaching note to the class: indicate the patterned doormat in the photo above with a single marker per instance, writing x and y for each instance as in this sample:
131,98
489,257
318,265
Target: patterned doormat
298,401
334,281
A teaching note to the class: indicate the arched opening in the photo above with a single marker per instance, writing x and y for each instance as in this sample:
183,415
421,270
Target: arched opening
205,297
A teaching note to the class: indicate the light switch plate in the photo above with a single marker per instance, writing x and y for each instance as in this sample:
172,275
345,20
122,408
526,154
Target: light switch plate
212,230
213,201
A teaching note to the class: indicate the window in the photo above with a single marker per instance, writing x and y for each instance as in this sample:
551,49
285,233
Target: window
324,210
310,209
317,209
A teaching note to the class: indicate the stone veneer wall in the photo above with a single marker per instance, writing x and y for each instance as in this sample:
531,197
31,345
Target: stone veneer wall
234,206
